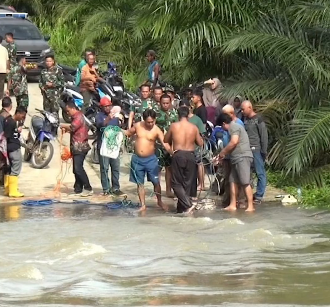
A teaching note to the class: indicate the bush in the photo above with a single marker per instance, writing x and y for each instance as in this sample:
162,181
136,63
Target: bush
312,196
65,40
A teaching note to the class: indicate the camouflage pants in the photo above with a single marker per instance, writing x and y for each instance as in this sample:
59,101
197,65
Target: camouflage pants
22,100
51,103
164,158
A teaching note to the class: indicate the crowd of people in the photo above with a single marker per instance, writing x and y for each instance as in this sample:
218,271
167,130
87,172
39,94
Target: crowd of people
168,134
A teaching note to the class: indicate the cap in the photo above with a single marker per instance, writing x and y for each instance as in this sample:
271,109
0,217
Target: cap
105,101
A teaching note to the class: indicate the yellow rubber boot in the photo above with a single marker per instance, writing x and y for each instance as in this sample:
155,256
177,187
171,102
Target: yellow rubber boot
13,187
6,185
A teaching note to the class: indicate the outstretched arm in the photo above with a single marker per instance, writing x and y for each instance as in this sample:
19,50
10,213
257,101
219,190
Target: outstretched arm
165,144
234,139
130,131
168,136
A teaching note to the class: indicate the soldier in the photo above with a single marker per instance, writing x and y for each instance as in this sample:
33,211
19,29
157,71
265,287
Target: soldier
165,117
137,111
12,49
17,83
51,84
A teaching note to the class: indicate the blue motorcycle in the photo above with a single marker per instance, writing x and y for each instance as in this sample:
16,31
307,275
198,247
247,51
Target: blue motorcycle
38,147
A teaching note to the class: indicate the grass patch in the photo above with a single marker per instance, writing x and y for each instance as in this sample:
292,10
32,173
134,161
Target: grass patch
312,196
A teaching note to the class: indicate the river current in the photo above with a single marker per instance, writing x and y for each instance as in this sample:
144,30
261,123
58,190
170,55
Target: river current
79,255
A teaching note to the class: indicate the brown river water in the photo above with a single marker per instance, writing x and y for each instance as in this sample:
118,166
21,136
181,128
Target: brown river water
80,255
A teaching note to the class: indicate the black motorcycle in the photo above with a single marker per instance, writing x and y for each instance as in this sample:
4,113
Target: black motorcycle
38,146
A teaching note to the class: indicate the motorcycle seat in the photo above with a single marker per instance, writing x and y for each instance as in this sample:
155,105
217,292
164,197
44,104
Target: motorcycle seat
74,88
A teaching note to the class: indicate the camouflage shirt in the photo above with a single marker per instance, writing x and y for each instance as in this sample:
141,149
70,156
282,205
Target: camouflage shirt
165,119
55,76
12,50
139,109
18,84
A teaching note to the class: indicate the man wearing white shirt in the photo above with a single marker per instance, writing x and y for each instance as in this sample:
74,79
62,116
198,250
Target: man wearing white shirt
4,67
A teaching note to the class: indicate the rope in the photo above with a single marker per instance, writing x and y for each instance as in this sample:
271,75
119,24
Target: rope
205,154
65,164
38,203
47,202
124,204
112,205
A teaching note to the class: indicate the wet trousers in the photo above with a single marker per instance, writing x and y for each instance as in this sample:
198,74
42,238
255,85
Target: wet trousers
184,173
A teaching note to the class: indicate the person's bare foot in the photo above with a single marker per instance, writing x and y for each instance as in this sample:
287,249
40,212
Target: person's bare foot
250,209
163,206
143,208
200,188
169,194
191,209
230,208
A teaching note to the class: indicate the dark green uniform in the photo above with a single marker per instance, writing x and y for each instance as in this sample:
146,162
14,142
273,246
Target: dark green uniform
12,50
19,85
51,95
164,121
138,110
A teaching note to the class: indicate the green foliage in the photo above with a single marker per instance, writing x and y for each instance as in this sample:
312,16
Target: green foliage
312,195
64,39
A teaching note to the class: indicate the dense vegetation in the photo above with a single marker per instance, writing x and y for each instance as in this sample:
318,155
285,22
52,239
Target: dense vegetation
273,52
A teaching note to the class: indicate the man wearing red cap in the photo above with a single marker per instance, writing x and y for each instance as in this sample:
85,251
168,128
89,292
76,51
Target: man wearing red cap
103,119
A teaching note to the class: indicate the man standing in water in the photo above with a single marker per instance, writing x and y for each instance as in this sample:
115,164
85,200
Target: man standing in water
241,159
258,136
226,163
183,136
144,160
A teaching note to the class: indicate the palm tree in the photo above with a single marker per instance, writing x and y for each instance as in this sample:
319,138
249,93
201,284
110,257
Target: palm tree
288,72
105,25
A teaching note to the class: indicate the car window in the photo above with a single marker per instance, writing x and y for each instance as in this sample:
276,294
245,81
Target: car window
23,32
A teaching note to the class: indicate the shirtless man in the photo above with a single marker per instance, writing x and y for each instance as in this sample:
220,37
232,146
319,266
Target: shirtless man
183,136
144,160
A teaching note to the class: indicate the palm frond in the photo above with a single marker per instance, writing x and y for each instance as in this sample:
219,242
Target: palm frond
309,136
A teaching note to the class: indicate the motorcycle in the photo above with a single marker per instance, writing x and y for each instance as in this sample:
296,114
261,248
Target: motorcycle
68,72
72,93
41,132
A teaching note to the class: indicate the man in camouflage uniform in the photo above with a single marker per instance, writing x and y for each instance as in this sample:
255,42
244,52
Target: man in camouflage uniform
166,115
51,84
17,83
12,49
137,111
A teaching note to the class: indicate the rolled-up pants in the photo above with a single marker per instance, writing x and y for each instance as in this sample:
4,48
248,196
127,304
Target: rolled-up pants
15,159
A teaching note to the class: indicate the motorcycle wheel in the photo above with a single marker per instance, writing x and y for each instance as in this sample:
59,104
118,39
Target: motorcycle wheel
94,155
39,158
27,153
92,132
66,117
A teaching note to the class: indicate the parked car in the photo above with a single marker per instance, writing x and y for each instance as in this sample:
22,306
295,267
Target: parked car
28,39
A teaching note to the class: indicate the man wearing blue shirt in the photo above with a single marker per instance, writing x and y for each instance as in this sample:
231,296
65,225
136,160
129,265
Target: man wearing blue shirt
228,109
103,119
